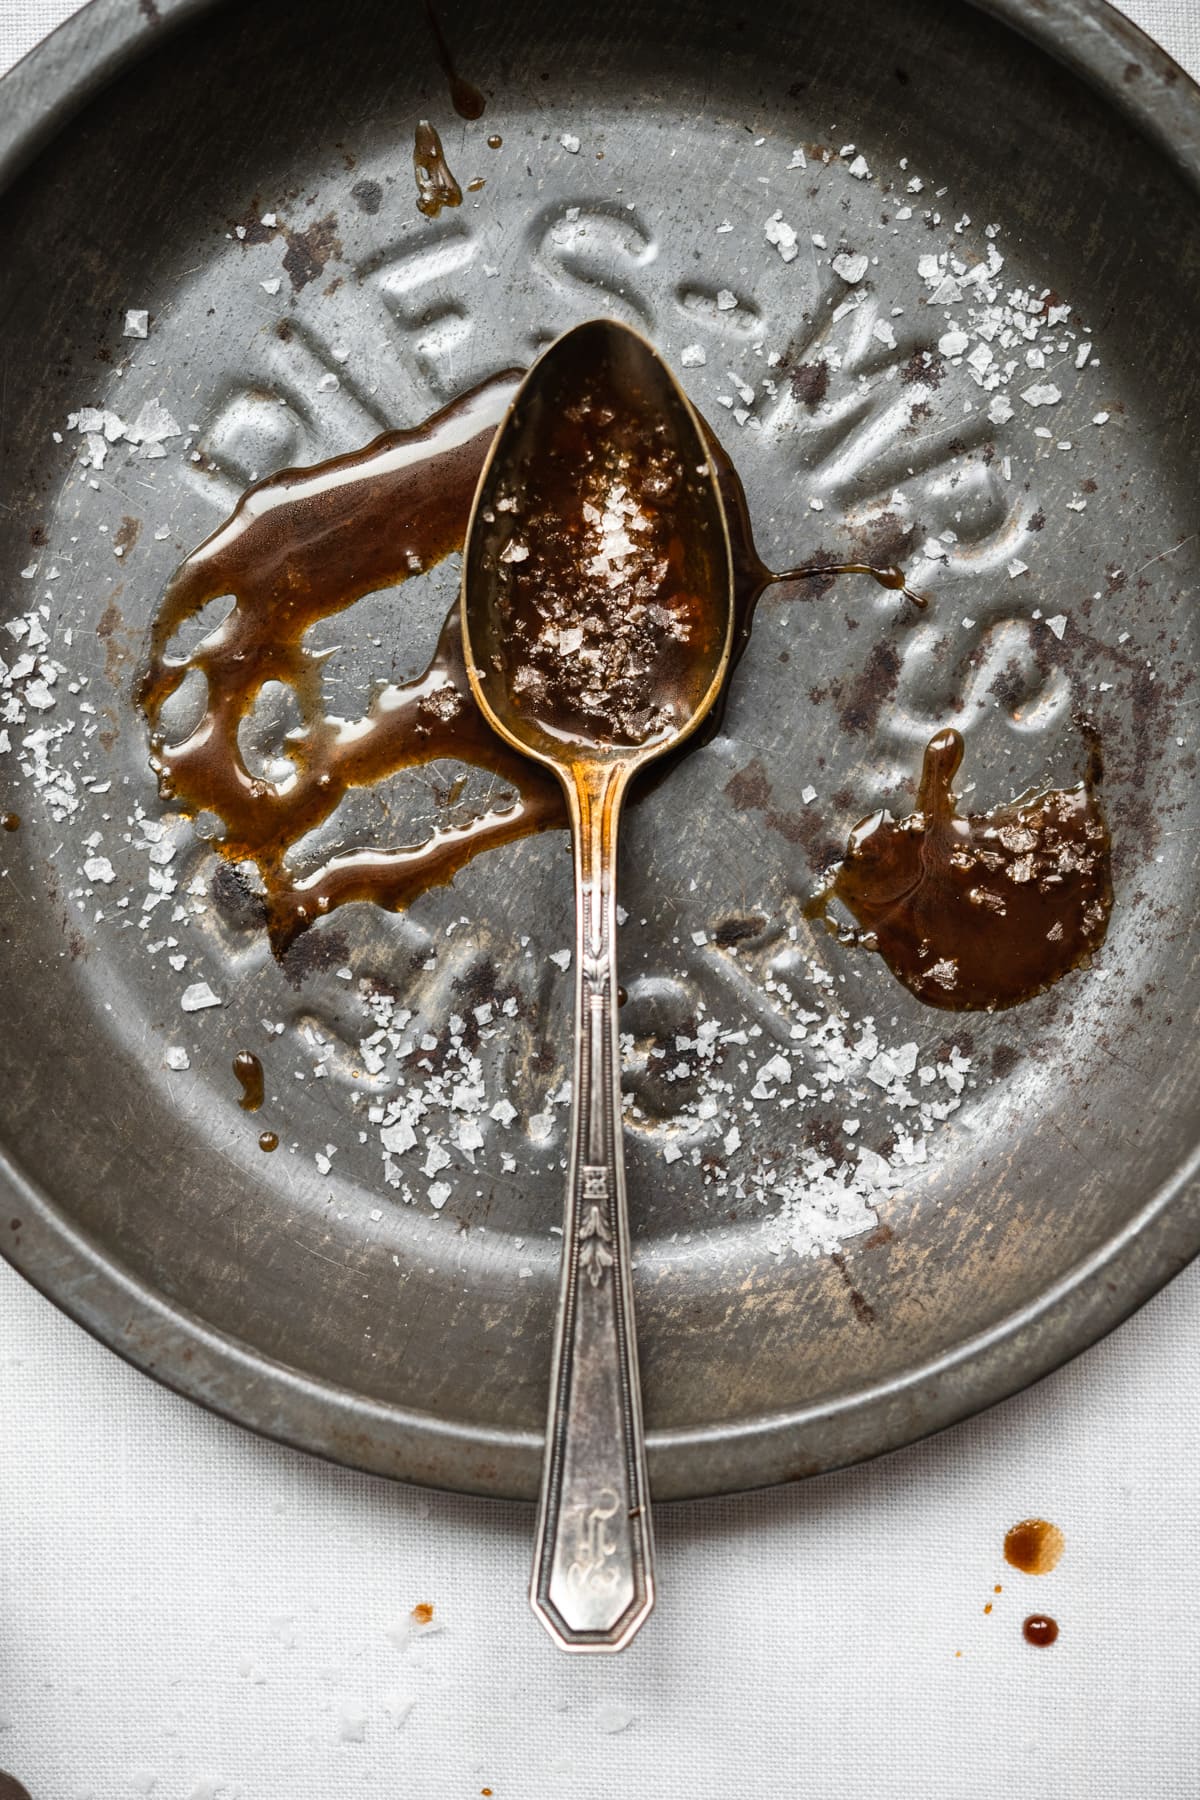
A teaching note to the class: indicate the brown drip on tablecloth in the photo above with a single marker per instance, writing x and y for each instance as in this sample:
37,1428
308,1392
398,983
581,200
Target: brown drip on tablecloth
10,821
305,544
1034,1546
268,1141
978,911
1039,1629
249,1072
436,186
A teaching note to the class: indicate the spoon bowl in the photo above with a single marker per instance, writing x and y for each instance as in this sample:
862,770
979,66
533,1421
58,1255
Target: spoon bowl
598,616
598,600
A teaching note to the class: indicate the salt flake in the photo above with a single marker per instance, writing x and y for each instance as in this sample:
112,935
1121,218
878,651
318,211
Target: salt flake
198,996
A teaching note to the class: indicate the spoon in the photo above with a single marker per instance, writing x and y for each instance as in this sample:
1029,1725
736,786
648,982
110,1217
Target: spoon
597,611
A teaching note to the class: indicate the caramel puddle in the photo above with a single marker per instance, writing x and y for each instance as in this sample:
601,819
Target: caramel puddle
979,911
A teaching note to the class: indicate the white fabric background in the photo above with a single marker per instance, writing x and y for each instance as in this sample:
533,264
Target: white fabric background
188,1612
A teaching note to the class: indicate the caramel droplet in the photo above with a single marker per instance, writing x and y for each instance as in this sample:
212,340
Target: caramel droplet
249,1072
1034,1546
1039,1629
465,97
268,1141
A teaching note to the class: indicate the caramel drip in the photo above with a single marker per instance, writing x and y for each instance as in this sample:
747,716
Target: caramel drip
465,97
436,186
249,1072
978,911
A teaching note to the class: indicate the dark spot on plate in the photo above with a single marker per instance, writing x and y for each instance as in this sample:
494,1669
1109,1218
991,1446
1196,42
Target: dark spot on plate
237,903
860,705
313,953
926,367
735,931
749,790
368,194
810,382
309,251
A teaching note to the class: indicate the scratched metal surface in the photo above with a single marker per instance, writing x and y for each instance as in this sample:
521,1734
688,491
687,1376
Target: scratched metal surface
1061,1194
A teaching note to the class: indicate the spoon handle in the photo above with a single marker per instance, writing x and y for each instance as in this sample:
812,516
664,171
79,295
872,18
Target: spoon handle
593,1569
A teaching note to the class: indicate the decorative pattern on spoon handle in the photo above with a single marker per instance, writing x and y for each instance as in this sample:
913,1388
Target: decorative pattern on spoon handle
593,1581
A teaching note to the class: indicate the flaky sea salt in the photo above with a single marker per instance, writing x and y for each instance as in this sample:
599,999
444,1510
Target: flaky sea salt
782,235
851,268
1042,393
197,997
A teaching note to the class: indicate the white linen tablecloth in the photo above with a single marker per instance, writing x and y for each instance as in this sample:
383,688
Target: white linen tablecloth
191,1613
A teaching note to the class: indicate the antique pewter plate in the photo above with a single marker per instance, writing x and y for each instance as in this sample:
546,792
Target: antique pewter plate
136,146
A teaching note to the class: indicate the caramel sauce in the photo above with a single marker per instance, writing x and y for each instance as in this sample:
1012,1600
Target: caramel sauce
978,911
249,1072
465,97
268,1141
436,186
1039,1629
495,141
598,546
304,545
1034,1546
422,1612
10,821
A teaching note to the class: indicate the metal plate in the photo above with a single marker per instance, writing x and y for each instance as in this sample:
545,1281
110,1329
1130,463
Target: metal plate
321,1309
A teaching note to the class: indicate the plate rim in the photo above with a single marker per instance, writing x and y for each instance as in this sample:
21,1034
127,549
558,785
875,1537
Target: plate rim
164,1340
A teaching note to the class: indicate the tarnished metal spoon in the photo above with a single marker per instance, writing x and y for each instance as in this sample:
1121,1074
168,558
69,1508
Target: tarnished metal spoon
597,611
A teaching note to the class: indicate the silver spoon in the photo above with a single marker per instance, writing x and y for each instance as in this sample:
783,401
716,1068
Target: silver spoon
597,610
